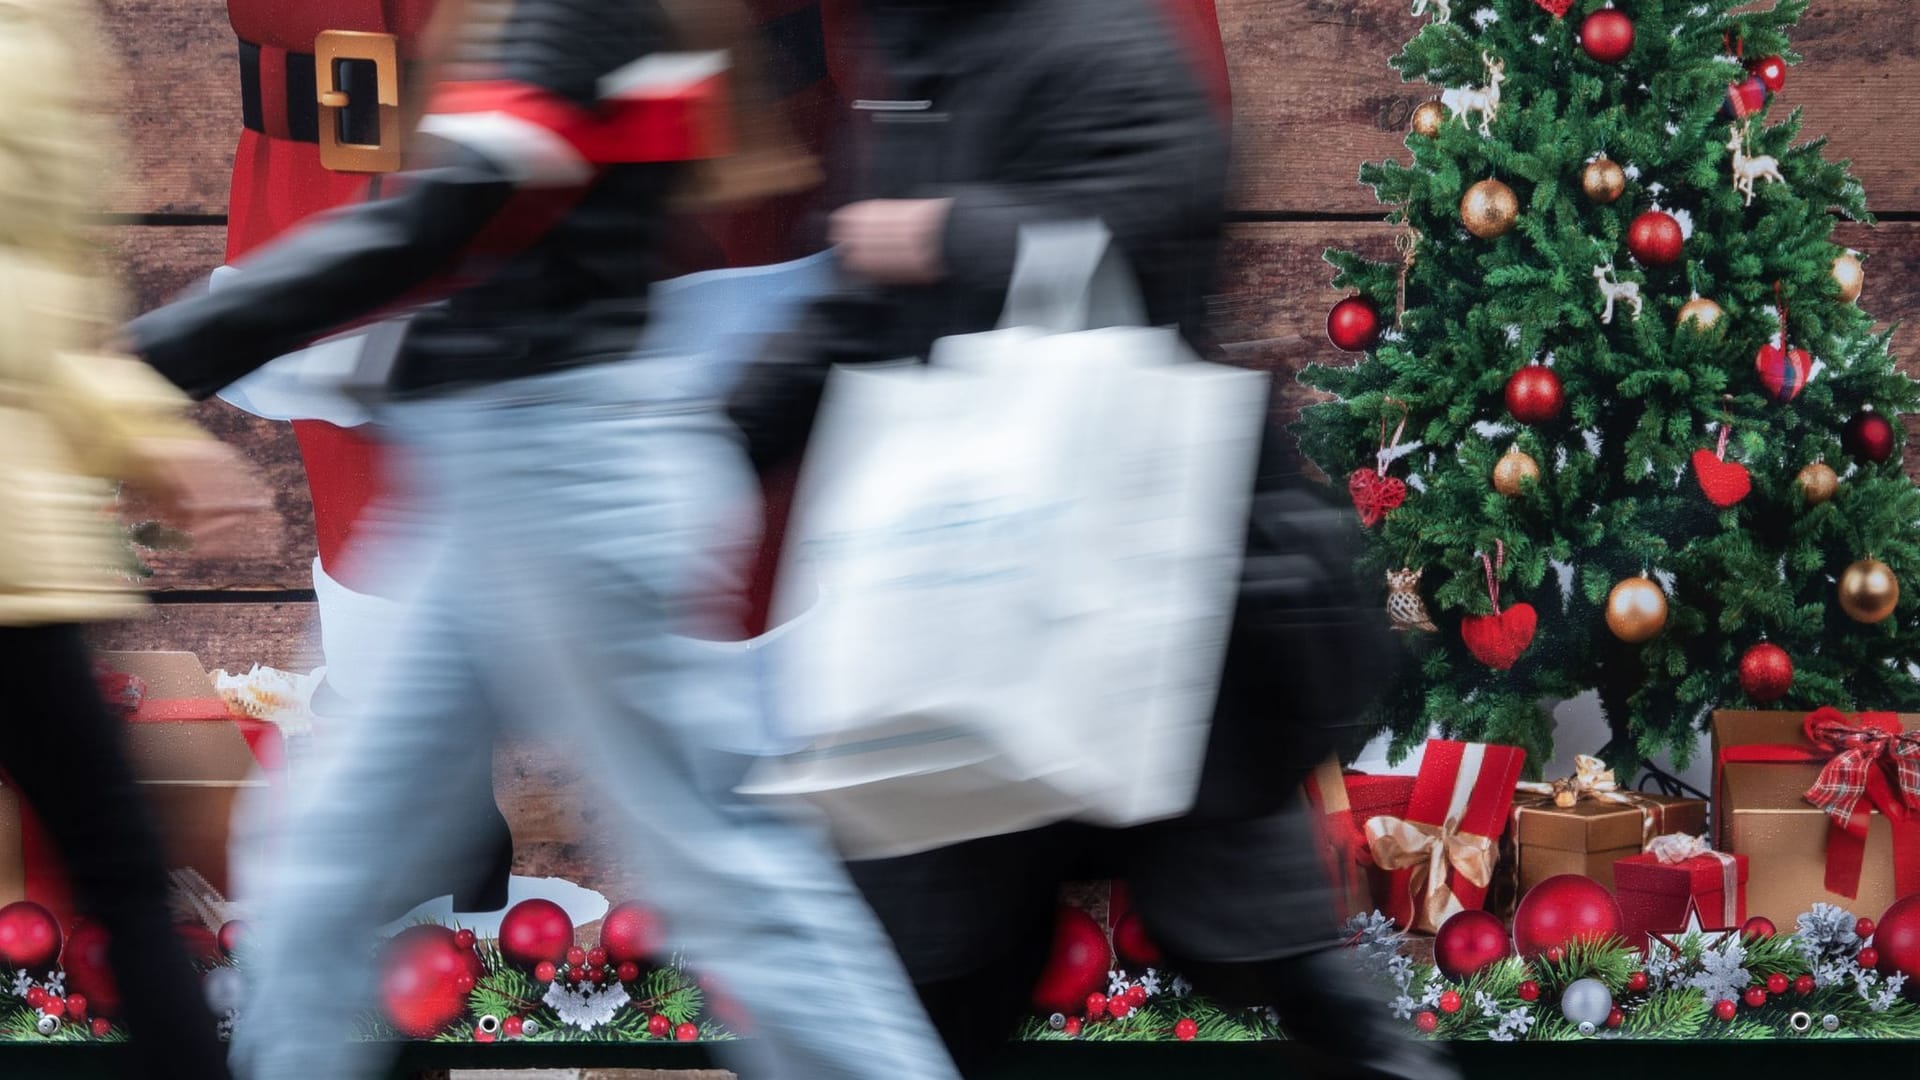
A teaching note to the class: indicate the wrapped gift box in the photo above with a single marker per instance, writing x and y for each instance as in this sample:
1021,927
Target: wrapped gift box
1460,802
1654,893
1591,836
192,760
1342,802
1764,815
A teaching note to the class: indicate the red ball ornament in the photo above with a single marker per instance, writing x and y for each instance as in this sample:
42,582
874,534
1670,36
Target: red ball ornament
1897,939
1534,394
1073,1026
76,1007
1354,324
1607,36
1756,997
232,936
464,939
1863,928
630,932
1450,1002
535,930
1561,911
545,971
1778,984
1869,438
422,973
1131,943
1615,1017
1555,954
1772,72
659,1026
1766,673
1119,1007
1804,985
29,937
1758,928
36,997
1726,1010
88,973
1637,983
1655,238
1096,1006
1529,991
576,957
1186,1030
1136,996
1427,1022
686,1033
513,1026
101,1027
55,1007
628,971
1077,966
1469,942
1868,958
597,957
576,976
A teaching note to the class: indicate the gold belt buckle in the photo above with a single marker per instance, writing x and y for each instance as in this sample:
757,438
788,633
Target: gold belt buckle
384,53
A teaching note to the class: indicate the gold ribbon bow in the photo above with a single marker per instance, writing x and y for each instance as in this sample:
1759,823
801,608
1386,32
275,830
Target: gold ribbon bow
1431,851
1676,848
1591,779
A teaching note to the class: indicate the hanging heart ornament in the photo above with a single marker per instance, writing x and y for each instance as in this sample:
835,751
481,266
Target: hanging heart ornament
1498,640
1724,482
1374,496
1558,7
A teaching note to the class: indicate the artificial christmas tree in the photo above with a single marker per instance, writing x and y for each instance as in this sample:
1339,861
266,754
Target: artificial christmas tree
1665,450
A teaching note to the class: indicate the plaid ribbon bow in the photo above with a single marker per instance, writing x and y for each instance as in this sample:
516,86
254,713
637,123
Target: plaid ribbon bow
1874,766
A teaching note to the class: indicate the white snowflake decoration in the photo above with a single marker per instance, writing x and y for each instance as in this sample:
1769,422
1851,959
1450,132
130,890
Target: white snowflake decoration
1488,1005
1181,987
1117,983
586,1008
1150,982
1402,1007
1722,976
22,982
57,984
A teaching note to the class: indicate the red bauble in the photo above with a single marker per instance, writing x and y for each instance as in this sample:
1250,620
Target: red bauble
1758,928
513,1027
1778,983
1868,958
1096,1006
1131,942
36,998
1655,239
576,976
1136,995
659,1026
1637,983
1073,1026
1427,1022
1869,437
545,971
1185,1030
29,937
630,933
1450,1001
1077,966
1469,942
85,962
1607,36
686,1032
422,972
1529,991
101,1027
535,930
628,971
1615,1017
1756,997
1563,910
1804,985
1534,395
1119,1007
1766,673
76,1007
1897,939
233,934
1863,928
1354,324
465,939
1726,1010
1772,72
576,957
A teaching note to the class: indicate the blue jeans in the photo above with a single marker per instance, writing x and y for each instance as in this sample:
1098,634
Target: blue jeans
582,524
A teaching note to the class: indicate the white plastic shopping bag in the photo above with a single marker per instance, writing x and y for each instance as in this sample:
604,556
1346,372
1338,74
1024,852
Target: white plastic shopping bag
1020,563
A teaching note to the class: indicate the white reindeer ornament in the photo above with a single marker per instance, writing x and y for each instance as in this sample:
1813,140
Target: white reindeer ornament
1747,170
1624,292
1483,100
1442,9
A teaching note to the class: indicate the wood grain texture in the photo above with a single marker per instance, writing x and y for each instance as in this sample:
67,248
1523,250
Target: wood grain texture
277,551
232,636
1314,97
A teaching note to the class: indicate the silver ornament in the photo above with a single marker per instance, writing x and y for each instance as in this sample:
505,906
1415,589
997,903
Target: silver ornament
488,1025
529,1028
225,989
1586,1001
1830,1022
48,1024
1800,1022
1057,1022
1587,1028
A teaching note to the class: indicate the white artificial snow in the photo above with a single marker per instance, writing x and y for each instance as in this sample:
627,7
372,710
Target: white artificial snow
1632,171
1686,223
1485,17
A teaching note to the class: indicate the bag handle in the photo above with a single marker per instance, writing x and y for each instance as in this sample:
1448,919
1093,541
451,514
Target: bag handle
1069,276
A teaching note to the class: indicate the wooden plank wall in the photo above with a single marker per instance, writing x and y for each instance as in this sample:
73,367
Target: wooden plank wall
1314,98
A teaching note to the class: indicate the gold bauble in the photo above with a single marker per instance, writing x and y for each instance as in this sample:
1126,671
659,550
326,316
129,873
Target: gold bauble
1427,119
1868,591
1703,313
1603,181
1489,209
1817,483
1850,276
1636,610
1514,471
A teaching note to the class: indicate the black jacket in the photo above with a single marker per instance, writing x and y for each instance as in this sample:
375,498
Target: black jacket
1020,111
570,290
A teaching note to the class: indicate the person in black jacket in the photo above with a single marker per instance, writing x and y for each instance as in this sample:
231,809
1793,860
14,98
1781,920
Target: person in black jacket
580,512
980,116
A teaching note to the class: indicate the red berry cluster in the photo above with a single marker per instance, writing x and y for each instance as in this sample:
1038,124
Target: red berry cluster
1118,1007
660,1027
588,966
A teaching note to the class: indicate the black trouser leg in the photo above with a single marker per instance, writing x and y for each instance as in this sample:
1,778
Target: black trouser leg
64,750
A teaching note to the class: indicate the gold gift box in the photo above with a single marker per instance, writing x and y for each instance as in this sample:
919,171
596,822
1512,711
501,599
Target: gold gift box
1764,815
1587,837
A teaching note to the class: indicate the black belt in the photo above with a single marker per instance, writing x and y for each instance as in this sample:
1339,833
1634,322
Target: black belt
359,78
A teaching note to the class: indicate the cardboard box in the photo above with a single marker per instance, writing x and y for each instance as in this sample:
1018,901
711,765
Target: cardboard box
1763,814
1588,837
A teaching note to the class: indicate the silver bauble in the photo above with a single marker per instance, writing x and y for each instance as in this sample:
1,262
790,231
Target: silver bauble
1586,1001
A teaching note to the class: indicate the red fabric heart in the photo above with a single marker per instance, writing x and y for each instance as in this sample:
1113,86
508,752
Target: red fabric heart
1498,640
1558,7
1783,373
1374,496
1725,482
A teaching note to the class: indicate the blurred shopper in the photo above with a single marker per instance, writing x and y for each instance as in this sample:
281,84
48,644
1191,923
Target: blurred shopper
584,511
981,116
73,418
